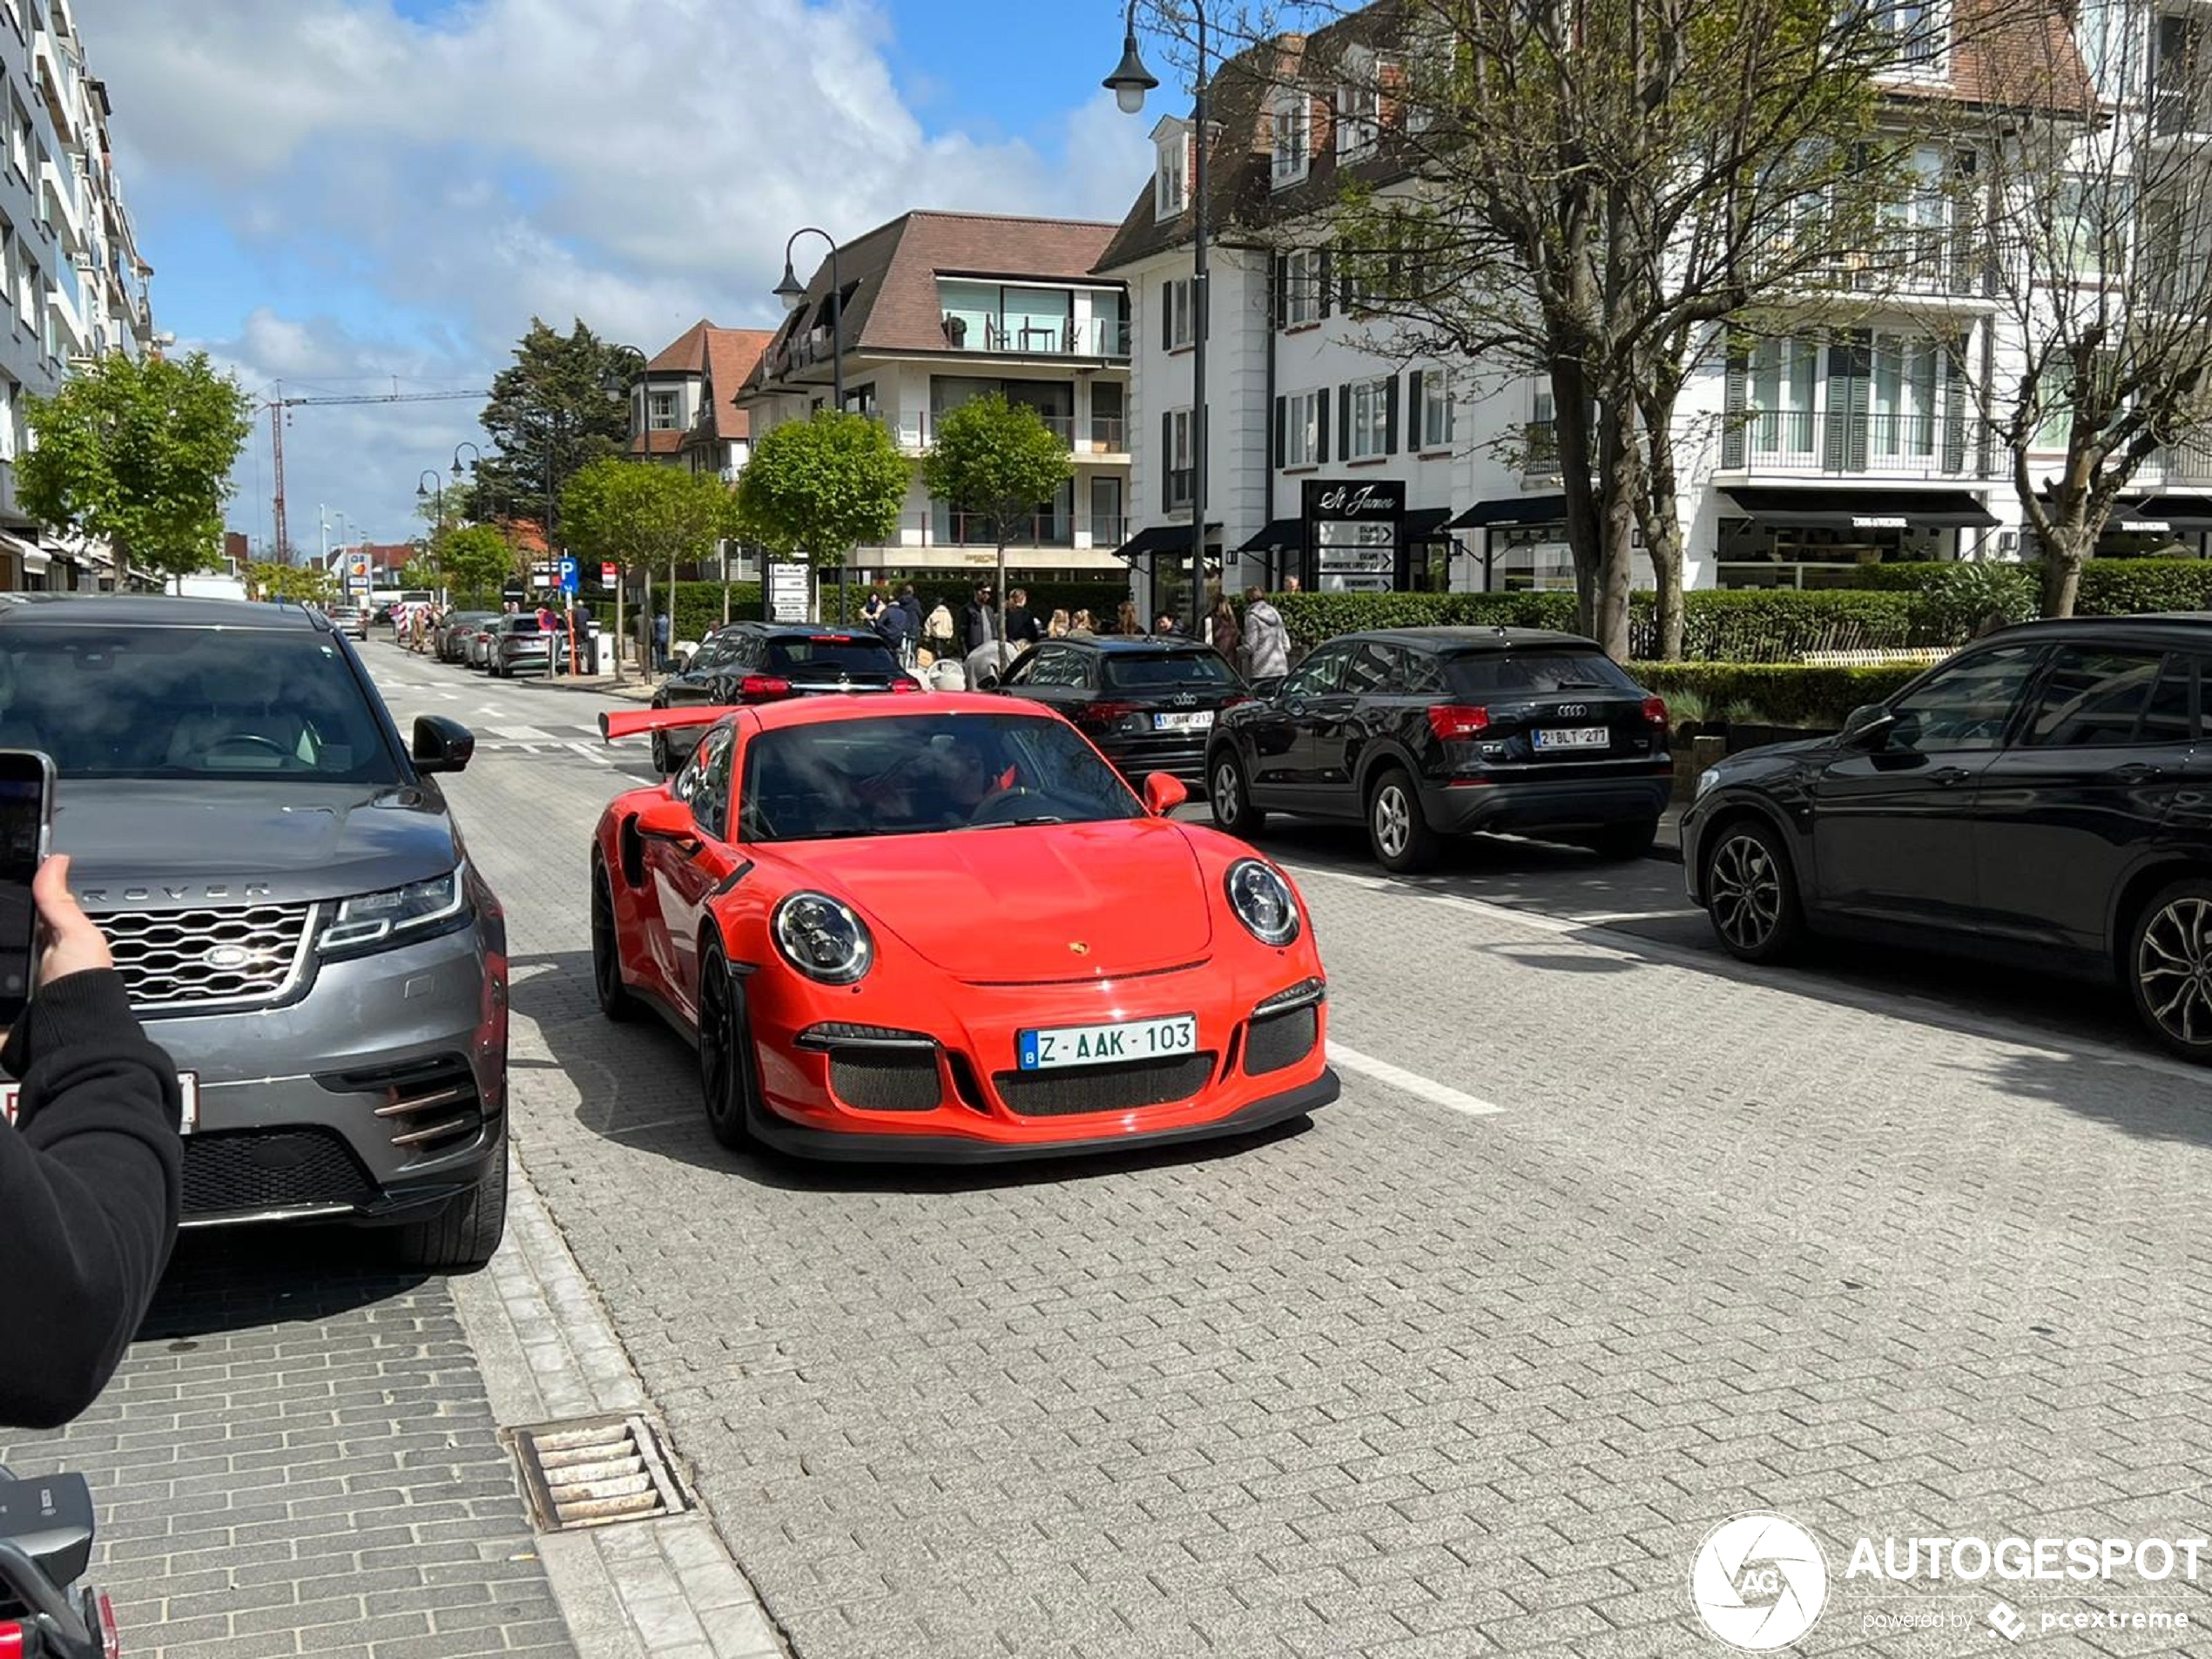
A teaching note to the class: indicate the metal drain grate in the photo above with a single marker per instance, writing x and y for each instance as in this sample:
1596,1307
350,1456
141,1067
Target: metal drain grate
595,1471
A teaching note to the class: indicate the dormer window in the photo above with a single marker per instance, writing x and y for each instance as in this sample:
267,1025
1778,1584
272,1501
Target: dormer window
1358,107
1293,136
1917,31
1171,172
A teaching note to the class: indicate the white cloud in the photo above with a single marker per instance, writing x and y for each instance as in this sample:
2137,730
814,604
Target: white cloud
638,163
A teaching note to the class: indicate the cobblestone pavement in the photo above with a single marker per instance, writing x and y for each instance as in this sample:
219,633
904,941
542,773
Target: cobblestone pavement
298,1458
1411,1380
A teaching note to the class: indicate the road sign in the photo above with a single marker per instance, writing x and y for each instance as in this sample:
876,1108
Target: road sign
567,571
787,593
608,575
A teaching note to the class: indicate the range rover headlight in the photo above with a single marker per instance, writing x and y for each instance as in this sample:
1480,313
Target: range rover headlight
398,915
1263,901
823,937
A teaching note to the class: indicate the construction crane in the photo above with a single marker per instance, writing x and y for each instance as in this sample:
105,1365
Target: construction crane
278,405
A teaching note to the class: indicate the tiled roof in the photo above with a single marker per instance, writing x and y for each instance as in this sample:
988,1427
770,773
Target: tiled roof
890,274
2014,57
686,353
732,355
665,441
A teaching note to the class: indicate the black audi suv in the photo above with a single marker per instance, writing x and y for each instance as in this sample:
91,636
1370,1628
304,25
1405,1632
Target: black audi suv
1428,732
2043,798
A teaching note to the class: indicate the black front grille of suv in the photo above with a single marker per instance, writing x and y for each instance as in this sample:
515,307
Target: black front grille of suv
278,1169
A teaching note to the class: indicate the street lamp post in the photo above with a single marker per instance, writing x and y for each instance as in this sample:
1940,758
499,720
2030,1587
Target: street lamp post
792,293
1129,84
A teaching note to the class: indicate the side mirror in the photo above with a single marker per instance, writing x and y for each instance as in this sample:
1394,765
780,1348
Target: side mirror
1268,684
1865,726
666,819
1164,793
441,744
986,682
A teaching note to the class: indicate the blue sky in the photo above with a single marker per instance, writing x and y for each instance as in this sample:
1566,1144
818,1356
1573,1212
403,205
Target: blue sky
344,195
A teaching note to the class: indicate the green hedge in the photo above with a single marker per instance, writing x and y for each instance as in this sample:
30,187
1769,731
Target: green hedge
2110,587
1767,625
1782,693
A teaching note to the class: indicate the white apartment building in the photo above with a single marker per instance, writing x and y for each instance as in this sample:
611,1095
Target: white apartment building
1334,458
75,287
939,308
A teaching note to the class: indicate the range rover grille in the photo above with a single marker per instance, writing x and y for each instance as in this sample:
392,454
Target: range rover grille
176,961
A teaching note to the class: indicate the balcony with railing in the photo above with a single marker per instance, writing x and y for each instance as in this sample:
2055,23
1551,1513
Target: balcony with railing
1920,443
1109,434
1102,435
1047,329
942,527
2181,106
2186,465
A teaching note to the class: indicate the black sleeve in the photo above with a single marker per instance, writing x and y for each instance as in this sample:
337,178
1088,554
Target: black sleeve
89,1195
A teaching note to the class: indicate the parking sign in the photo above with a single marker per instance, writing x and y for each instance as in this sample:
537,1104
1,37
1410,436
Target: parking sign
567,571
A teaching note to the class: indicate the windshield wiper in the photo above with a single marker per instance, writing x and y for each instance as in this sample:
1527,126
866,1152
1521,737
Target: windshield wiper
1019,823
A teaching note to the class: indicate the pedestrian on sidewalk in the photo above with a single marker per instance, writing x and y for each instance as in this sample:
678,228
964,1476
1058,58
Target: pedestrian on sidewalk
1267,640
980,622
661,628
938,634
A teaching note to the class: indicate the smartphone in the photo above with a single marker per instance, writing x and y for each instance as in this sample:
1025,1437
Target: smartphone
26,819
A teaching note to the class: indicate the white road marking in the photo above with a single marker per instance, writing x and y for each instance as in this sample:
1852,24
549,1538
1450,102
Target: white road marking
592,754
1410,1081
522,733
691,1122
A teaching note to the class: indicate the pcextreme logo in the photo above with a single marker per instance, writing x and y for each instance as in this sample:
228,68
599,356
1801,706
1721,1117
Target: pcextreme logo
1758,1581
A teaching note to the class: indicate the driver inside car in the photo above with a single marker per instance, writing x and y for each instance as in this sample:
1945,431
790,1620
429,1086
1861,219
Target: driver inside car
947,783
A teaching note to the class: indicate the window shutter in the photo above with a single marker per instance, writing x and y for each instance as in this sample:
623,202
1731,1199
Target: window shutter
1964,218
1954,404
1343,422
1282,414
1327,296
1416,412
1849,366
1390,416
1279,307
1167,461
1321,428
1732,426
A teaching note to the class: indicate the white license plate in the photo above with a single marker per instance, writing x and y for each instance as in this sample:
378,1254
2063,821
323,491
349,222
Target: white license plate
1576,736
187,1086
1197,720
1104,1045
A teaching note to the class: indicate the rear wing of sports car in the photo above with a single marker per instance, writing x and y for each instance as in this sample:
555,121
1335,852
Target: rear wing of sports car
635,723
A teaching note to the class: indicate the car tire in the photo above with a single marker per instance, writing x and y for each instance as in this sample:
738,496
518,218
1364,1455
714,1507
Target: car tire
2168,968
1751,892
726,1081
660,754
616,1000
1229,794
1399,833
463,1236
1618,843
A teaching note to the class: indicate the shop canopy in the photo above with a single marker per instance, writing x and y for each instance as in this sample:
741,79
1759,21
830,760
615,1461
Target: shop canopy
2159,515
1162,538
1511,509
1864,510
1277,532
1424,524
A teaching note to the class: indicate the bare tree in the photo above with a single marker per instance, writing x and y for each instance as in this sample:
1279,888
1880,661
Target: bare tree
2099,160
1596,191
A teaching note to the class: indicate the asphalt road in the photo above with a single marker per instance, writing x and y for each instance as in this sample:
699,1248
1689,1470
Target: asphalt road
1609,1239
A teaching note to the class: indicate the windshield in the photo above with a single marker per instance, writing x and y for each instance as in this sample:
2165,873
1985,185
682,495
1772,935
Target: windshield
910,774
830,655
1490,673
1151,671
190,703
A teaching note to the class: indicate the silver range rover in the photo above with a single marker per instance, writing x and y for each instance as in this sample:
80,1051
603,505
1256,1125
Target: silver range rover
290,903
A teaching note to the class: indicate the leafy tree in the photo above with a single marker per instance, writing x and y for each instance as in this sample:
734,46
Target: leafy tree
296,583
1592,192
636,516
474,560
998,458
138,455
562,404
420,571
816,489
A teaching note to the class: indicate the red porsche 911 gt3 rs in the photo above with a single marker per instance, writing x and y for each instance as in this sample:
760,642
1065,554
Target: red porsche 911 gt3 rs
947,930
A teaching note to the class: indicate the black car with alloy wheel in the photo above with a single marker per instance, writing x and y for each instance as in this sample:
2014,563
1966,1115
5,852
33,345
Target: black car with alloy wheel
2043,798
1148,704
1428,732
763,662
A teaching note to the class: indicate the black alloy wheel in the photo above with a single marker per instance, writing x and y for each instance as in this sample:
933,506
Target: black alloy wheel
614,999
1229,795
660,754
726,1072
1750,893
2169,968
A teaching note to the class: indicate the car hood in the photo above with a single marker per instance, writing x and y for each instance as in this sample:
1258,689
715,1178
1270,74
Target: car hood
1013,906
158,845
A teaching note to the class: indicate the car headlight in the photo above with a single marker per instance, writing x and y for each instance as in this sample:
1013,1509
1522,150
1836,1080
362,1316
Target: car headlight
398,914
1706,779
1263,901
823,937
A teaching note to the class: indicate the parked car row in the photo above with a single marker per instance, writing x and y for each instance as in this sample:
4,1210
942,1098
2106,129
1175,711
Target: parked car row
502,646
